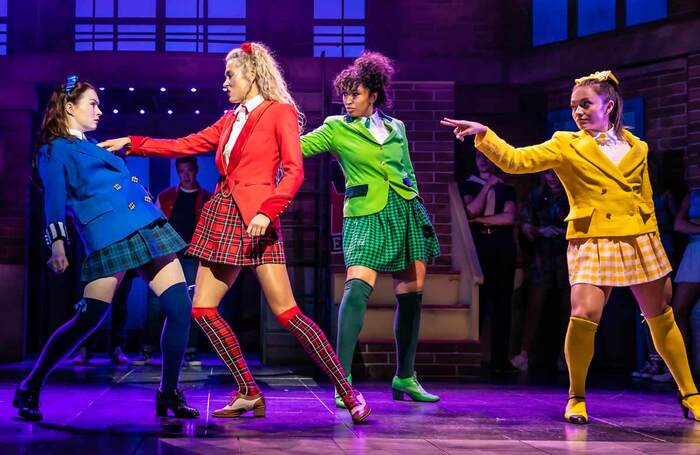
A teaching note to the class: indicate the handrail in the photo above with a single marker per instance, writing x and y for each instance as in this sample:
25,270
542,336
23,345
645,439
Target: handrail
465,259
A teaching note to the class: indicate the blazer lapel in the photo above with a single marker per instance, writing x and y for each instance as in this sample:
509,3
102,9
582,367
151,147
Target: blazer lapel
587,149
355,124
635,157
248,128
89,147
223,139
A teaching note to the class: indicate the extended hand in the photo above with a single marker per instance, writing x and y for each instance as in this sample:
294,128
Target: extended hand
463,128
258,225
114,145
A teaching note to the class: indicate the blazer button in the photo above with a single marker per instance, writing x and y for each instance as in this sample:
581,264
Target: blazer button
386,178
117,186
132,206
608,215
147,198
134,179
603,191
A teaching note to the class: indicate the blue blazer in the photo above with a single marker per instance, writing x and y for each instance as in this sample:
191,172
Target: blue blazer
108,202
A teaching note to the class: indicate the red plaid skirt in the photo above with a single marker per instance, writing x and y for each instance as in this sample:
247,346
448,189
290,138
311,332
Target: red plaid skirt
221,237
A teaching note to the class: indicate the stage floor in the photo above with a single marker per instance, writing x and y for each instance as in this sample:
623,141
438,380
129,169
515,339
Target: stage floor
103,409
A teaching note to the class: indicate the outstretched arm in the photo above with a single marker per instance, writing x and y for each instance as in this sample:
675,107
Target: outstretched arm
520,160
200,142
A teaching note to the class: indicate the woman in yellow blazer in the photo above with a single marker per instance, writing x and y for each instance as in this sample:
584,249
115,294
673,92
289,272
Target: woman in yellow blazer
612,232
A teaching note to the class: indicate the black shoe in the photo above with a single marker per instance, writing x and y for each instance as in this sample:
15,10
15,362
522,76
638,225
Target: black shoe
27,401
175,401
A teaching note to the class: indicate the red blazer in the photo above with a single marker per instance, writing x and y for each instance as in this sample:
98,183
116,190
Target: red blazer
269,140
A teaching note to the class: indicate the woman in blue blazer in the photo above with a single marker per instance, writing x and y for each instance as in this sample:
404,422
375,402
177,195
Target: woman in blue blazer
121,229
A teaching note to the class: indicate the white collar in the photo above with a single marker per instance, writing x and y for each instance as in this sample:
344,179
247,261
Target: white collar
77,133
251,104
610,134
374,118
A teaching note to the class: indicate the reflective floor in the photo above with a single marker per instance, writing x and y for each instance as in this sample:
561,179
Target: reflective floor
104,409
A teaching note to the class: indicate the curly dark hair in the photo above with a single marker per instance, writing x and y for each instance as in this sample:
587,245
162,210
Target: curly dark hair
371,69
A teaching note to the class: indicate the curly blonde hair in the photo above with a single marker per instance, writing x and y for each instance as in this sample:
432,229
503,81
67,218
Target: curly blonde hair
260,66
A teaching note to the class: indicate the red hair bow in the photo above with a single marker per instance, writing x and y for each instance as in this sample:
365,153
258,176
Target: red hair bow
247,48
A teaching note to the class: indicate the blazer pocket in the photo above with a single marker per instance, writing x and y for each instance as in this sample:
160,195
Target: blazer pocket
356,191
87,211
580,218
257,183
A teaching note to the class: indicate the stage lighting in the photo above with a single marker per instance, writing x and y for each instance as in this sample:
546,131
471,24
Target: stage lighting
115,111
193,89
162,89
131,89
170,111
141,111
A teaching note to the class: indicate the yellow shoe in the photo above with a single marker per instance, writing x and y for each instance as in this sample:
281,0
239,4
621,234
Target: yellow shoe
576,410
690,404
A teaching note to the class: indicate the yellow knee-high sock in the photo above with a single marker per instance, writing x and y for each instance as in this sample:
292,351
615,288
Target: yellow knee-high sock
668,341
578,349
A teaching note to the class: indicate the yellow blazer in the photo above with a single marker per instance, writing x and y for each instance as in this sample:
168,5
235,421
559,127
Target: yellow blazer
606,200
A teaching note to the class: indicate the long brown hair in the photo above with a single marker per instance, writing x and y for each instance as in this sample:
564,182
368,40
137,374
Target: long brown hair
55,121
608,90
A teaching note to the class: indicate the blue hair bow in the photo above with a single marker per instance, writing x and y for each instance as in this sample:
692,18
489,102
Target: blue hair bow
70,82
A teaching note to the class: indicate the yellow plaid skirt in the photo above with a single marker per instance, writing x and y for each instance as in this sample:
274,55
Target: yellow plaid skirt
617,261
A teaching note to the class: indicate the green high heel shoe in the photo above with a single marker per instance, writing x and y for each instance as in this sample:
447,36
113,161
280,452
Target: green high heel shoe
338,400
412,388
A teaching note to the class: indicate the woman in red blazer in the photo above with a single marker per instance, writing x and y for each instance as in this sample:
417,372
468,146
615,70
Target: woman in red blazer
240,225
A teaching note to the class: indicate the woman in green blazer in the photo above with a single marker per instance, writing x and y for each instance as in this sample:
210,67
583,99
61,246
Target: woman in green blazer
385,226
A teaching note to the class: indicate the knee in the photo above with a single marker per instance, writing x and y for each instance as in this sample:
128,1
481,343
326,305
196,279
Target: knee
585,311
176,300
285,317
356,292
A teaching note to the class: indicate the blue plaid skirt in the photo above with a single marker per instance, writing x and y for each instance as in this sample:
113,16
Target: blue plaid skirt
141,247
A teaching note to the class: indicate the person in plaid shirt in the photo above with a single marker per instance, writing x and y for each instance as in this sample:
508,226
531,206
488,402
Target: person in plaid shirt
612,233
240,225
385,225
121,229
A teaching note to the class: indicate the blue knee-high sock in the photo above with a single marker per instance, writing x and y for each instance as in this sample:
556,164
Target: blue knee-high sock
177,306
65,339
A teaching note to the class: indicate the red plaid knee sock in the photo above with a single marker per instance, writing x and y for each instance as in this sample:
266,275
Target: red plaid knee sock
226,345
316,345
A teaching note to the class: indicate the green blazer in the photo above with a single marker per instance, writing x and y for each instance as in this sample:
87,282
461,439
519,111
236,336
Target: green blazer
370,168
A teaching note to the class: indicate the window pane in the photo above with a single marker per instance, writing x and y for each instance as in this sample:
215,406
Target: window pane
83,8
328,9
595,16
354,9
3,8
181,8
104,45
331,51
354,29
83,27
104,8
180,46
327,39
223,48
137,8
549,21
327,29
136,46
228,9
640,11
353,51
83,46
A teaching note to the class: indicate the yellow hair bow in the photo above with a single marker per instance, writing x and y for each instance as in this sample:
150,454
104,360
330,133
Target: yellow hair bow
600,76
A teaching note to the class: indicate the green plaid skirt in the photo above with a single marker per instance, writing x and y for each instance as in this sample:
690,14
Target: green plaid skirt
392,239
155,240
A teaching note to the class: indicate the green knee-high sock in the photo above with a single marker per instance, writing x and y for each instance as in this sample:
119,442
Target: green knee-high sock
350,318
669,344
406,326
578,349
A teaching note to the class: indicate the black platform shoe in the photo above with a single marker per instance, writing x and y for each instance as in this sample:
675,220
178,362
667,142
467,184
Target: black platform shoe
175,401
27,401
685,407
